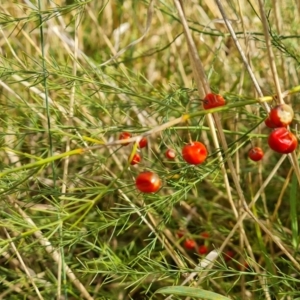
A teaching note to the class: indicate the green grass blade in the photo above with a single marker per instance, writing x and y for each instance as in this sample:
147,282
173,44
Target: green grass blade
191,292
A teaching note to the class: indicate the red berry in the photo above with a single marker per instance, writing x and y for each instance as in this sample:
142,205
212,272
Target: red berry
136,159
213,100
170,154
194,153
255,154
180,233
124,136
205,235
269,123
148,182
282,141
281,115
202,250
229,255
189,244
143,142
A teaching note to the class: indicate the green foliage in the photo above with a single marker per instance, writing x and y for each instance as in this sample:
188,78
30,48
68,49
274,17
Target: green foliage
73,224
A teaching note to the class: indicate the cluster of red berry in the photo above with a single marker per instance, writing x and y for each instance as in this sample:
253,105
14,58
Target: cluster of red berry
280,140
142,144
146,182
190,244
194,153
149,182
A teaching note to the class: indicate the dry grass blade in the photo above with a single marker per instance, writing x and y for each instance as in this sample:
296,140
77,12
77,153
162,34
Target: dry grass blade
147,27
270,51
